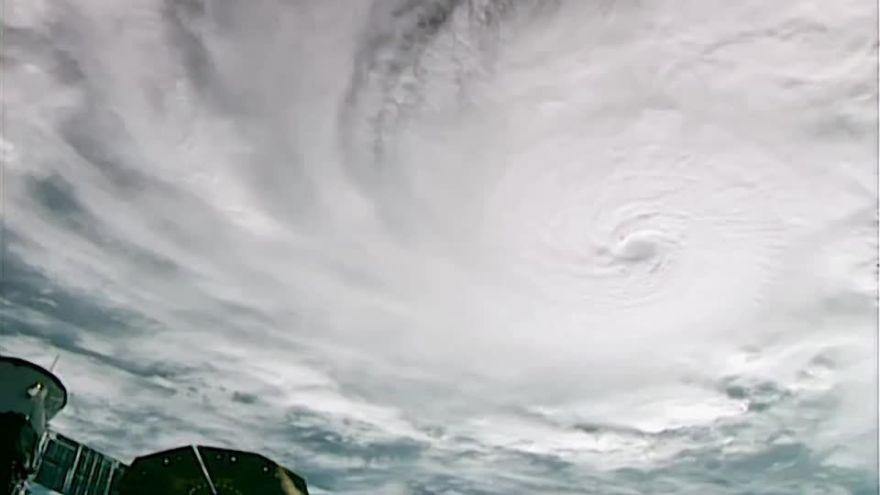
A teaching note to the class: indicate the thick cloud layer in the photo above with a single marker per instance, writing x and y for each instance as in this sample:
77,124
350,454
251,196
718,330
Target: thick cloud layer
474,246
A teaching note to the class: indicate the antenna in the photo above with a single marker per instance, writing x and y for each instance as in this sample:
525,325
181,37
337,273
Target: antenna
54,362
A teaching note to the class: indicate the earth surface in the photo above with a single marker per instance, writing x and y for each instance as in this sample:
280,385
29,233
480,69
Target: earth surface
454,247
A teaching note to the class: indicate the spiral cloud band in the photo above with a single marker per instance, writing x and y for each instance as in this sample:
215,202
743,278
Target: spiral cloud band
454,246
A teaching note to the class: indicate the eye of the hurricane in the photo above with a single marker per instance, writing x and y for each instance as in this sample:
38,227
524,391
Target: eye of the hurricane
674,232
636,247
630,258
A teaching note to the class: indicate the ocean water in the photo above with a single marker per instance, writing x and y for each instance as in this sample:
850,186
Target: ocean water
454,247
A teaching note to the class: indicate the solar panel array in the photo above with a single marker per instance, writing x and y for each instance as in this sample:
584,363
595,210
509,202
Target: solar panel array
71,468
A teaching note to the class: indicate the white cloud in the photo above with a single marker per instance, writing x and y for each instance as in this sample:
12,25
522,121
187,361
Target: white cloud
453,249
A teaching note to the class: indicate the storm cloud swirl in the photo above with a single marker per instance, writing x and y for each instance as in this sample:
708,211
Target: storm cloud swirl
449,247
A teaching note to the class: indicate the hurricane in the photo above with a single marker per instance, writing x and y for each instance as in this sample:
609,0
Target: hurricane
454,246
